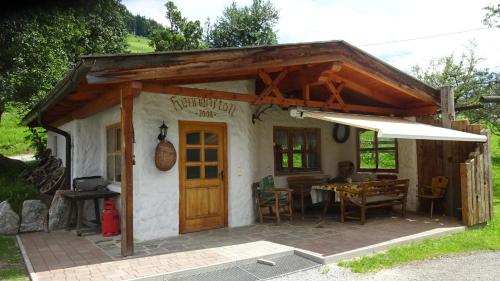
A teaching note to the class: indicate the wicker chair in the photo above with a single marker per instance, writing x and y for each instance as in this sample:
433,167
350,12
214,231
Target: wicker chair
278,201
435,191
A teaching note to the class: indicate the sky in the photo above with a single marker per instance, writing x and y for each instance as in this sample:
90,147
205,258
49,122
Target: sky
367,23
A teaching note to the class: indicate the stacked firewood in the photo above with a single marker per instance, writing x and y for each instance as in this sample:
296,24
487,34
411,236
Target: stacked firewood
48,175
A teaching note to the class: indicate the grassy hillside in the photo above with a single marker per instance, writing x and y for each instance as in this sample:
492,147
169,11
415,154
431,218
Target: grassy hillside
137,44
12,136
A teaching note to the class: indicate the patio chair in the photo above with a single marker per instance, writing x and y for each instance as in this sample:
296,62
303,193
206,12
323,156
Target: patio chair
278,201
435,191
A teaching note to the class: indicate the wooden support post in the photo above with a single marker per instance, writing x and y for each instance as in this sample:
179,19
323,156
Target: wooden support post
450,166
447,105
127,93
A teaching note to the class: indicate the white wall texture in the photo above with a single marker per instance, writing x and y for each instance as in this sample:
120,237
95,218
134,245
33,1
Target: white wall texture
250,156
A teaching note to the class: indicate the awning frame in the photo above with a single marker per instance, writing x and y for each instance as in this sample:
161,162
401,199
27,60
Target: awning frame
390,127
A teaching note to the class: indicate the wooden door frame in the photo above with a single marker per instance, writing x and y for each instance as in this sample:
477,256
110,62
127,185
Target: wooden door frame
181,165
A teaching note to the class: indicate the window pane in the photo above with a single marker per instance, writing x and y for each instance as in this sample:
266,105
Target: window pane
211,154
387,160
367,160
210,138
118,168
193,138
118,139
298,140
284,160
193,155
211,172
109,140
312,141
297,160
193,172
386,142
282,140
366,139
312,160
109,168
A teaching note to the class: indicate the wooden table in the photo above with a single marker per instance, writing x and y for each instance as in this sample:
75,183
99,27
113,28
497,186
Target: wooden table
77,200
332,188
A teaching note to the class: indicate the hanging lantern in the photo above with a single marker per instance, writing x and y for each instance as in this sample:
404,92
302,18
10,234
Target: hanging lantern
163,132
165,154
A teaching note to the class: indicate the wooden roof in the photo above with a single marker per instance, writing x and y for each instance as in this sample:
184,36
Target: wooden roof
332,75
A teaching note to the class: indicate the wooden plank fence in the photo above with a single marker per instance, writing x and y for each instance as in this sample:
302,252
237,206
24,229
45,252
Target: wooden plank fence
476,182
468,167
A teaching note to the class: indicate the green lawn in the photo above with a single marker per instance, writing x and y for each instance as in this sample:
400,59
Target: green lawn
482,239
12,136
11,264
137,44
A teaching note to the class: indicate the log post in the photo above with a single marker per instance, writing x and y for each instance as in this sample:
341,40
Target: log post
449,163
447,105
127,94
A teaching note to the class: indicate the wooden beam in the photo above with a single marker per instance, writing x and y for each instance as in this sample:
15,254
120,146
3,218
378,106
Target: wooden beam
306,94
362,89
272,85
128,92
102,102
159,88
334,95
414,92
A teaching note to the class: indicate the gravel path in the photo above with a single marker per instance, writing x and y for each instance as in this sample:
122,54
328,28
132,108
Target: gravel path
483,266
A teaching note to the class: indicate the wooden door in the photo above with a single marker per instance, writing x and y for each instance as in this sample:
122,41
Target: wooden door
203,177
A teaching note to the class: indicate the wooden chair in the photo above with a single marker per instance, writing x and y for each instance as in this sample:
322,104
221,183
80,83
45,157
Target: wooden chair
435,191
274,199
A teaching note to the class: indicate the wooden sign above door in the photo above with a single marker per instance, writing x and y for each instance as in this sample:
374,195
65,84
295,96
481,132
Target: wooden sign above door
204,107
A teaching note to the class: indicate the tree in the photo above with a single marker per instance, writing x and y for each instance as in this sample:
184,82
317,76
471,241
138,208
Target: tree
181,34
140,25
246,26
470,82
39,44
492,17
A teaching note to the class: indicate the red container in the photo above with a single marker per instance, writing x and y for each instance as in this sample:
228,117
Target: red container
110,220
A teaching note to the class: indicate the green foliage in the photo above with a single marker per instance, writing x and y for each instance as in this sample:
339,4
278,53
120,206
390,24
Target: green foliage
10,258
38,45
12,135
15,189
480,239
470,82
492,17
38,140
246,26
181,34
137,44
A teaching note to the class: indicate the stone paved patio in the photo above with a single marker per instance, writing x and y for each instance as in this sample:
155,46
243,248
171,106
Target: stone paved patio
64,256
326,237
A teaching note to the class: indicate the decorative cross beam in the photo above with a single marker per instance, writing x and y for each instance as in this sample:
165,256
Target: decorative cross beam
272,86
335,95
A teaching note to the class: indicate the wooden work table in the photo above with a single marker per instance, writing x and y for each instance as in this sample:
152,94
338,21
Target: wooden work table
77,200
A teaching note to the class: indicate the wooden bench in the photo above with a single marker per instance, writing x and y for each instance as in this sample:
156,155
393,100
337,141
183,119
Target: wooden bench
301,186
374,194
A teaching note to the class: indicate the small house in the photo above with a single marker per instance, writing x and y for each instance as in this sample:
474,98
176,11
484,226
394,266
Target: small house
236,115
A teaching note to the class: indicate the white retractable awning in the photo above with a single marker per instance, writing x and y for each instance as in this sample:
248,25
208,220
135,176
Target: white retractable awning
390,127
